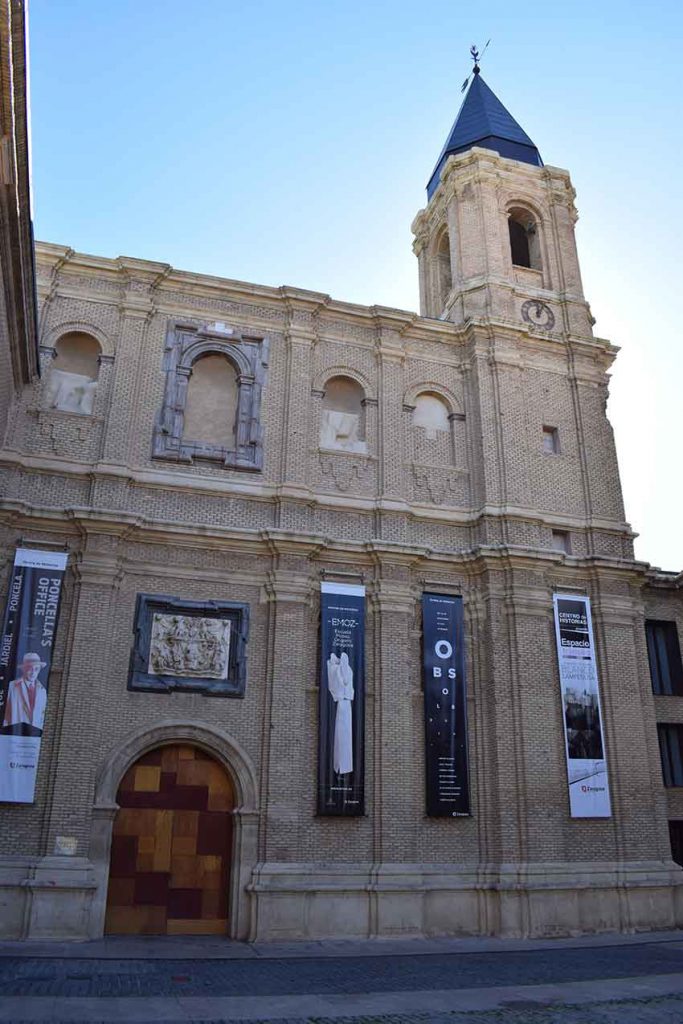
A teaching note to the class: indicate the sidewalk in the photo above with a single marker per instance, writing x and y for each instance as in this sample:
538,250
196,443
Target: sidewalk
599,979
200,947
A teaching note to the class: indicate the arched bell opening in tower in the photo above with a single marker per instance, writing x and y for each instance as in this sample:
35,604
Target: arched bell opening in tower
525,246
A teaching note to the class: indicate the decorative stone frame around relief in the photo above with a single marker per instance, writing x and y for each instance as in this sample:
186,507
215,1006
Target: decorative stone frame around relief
237,614
185,343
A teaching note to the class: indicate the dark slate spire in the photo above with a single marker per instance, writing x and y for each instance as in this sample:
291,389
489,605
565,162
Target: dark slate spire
483,121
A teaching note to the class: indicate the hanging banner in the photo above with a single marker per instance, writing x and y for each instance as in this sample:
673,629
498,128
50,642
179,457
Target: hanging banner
342,700
28,634
584,744
443,673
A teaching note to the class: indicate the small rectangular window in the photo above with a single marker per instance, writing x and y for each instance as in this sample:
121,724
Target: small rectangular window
561,541
671,751
664,655
676,836
551,440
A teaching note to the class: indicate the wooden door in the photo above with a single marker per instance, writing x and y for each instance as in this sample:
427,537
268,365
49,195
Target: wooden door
171,846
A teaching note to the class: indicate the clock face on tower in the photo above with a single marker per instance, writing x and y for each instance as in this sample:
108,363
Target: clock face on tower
538,314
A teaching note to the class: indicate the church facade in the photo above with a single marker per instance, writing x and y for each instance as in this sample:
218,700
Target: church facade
211,459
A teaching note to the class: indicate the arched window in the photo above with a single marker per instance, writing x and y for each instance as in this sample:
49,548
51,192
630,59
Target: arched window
72,381
211,405
432,430
443,268
342,423
525,246
431,413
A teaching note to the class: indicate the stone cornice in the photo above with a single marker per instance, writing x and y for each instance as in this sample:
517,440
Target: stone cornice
478,164
256,490
144,287
659,579
102,535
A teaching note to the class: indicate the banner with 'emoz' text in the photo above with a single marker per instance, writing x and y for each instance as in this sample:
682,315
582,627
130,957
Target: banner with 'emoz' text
341,738
584,742
28,633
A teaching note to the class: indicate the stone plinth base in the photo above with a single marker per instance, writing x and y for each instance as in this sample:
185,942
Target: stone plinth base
46,898
304,901
60,898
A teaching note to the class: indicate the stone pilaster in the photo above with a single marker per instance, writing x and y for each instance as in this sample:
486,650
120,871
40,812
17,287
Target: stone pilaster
398,796
629,724
291,674
136,309
390,359
85,687
300,339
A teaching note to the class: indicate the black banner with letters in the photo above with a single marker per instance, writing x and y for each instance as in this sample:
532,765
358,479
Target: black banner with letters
26,643
342,700
443,671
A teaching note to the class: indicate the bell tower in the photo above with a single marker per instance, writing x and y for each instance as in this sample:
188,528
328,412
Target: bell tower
496,238
498,259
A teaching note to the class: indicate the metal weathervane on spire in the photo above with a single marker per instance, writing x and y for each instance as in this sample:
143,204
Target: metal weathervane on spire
476,57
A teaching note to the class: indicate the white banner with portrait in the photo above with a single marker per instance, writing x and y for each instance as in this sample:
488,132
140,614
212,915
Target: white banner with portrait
28,634
581,715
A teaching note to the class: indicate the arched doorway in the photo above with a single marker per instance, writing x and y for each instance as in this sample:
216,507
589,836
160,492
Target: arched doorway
171,846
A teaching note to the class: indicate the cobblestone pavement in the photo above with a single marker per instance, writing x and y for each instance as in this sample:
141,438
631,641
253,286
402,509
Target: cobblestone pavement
611,984
149,978
630,1011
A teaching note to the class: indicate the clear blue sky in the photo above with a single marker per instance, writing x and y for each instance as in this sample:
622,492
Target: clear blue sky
291,142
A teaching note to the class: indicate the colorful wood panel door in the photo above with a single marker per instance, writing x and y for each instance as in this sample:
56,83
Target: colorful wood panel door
171,846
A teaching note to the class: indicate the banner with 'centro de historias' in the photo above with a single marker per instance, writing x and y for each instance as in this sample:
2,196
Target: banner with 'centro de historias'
443,672
342,699
584,744
28,633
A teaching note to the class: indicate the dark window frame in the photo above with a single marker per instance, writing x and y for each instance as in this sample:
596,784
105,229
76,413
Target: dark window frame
676,840
671,752
553,434
520,250
664,657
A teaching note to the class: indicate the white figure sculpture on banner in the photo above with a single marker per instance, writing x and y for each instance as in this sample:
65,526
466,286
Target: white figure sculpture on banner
340,685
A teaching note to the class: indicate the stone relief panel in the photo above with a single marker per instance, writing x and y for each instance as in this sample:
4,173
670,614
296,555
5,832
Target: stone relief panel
189,647
197,646
341,430
70,392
